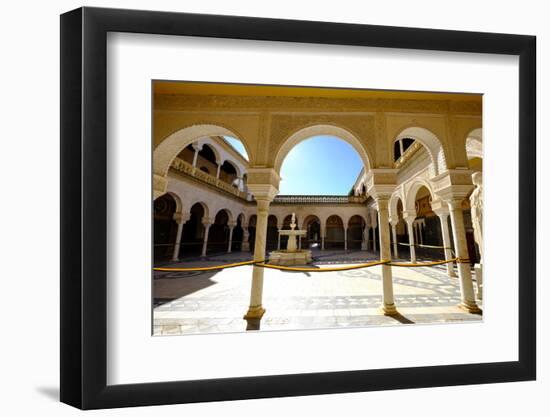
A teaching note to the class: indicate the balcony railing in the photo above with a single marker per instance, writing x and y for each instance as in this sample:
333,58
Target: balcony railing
411,150
186,168
319,199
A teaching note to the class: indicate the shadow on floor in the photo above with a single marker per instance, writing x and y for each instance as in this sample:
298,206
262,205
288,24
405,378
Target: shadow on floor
402,319
180,284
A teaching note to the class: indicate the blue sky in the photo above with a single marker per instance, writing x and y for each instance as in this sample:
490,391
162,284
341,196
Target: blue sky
320,165
237,144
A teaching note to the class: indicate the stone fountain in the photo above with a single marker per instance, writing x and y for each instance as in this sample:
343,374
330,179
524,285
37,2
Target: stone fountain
291,255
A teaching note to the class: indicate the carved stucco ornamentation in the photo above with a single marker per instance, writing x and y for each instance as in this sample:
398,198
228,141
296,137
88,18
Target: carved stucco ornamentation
360,126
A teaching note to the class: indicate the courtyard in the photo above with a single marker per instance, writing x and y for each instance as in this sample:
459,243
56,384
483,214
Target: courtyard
215,301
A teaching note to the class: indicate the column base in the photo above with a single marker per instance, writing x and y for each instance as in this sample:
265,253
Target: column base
245,247
253,317
389,310
470,307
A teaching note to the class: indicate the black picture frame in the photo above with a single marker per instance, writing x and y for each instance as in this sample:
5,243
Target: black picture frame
84,207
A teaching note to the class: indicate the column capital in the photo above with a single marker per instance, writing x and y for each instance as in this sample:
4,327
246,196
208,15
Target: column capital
382,202
455,203
207,221
181,218
442,213
263,182
197,147
409,216
440,208
394,221
231,225
453,184
381,182
263,192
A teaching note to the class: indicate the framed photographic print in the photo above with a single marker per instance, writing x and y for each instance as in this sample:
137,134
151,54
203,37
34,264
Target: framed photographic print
258,207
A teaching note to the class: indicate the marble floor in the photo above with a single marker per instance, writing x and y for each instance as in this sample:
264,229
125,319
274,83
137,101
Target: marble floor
214,302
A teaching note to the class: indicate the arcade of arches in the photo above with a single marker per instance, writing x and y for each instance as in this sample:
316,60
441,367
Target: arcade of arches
410,202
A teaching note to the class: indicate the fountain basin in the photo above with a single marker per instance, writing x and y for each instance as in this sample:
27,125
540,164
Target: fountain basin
288,258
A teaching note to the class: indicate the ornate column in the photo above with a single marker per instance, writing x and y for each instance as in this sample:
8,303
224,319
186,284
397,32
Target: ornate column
206,222
365,241
218,170
468,302
279,237
374,223
180,219
385,254
381,183
442,212
393,223
197,149
345,238
452,186
245,245
409,217
262,183
231,227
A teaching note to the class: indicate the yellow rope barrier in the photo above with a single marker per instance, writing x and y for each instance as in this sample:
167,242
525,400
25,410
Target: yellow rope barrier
342,268
262,264
204,268
420,264
424,246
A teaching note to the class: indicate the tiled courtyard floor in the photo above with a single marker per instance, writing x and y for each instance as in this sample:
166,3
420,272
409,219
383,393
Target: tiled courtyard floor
212,302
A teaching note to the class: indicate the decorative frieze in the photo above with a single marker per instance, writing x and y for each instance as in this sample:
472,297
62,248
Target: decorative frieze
186,168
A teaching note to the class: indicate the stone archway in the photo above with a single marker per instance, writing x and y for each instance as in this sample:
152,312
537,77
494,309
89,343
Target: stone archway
218,240
431,143
171,146
335,234
356,226
312,226
318,130
165,226
194,230
412,191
